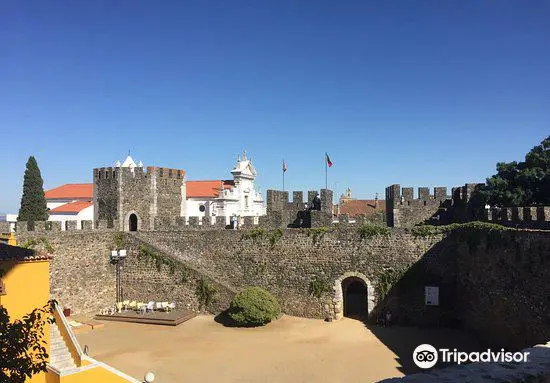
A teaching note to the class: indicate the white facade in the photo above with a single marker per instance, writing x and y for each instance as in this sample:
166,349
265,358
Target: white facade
238,198
11,219
86,214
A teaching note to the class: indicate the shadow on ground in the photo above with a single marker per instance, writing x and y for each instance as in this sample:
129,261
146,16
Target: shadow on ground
402,340
224,319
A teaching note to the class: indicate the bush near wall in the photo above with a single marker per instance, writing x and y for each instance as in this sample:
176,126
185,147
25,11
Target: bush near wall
254,306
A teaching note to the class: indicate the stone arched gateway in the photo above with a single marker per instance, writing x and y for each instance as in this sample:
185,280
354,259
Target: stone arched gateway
132,222
349,280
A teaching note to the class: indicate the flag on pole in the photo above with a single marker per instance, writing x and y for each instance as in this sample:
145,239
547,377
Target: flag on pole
284,166
329,162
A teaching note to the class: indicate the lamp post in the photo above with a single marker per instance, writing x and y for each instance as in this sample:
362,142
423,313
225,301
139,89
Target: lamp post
117,257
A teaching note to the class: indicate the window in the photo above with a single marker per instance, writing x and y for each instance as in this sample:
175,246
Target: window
246,202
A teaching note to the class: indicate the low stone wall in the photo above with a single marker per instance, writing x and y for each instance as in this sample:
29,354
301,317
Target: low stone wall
81,276
535,370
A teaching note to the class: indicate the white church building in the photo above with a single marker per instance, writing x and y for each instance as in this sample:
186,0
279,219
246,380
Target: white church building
226,198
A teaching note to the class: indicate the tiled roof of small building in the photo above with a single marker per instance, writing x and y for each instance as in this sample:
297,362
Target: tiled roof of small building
70,191
365,207
16,253
206,189
72,207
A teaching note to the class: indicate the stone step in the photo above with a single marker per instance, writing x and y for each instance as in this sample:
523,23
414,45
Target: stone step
64,365
58,348
60,357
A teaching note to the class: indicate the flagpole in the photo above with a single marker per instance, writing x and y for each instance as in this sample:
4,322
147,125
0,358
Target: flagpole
284,175
326,172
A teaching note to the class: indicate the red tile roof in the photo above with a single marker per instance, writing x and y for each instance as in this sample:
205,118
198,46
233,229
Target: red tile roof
70,191
207,189
16,253
73,207
366,207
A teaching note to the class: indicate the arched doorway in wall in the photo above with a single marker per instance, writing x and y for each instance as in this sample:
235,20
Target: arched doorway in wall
132,222
353,296
354,291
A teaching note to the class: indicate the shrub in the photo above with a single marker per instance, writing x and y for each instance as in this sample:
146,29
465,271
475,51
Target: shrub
254,306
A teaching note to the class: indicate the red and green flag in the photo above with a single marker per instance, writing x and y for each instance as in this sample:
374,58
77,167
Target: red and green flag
329,162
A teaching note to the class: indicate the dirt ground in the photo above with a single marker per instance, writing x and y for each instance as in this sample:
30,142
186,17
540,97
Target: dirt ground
288,350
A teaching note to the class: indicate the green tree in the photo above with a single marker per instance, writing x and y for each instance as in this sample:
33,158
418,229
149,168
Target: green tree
33,202
525,183
23,350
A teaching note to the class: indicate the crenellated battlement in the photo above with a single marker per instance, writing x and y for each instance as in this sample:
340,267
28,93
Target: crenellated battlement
404,209
137,172
73,225
281,212
536,217
106,173
398,196
278,200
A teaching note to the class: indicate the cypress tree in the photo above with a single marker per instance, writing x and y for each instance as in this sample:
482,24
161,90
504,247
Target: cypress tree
33,202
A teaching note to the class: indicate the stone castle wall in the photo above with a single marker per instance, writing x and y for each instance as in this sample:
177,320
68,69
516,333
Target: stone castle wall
81,276
287,266
494,284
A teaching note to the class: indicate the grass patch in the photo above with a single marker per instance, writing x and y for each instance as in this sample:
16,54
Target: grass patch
369,230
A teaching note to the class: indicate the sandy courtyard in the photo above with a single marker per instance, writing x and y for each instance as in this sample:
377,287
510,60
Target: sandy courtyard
288,350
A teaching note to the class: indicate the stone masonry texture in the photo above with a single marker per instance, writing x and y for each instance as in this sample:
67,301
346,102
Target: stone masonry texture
81,276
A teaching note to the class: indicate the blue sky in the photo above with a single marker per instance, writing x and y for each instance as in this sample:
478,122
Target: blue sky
421,93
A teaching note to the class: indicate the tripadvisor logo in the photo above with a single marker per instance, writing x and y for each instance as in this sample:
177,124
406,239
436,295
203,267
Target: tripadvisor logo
426,356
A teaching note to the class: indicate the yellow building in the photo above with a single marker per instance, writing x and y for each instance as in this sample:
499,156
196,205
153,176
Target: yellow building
24,286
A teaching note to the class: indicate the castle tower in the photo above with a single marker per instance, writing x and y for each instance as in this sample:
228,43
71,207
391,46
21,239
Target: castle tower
138,199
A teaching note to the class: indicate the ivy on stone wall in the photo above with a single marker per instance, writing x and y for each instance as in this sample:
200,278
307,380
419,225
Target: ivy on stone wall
386,279
275,236
369,230
206,293
255,234
317,287
118,240
469,227
38,244
260,233
317,233
161,259
471,233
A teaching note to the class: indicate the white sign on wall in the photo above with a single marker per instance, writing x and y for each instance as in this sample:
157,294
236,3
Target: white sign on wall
432,295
